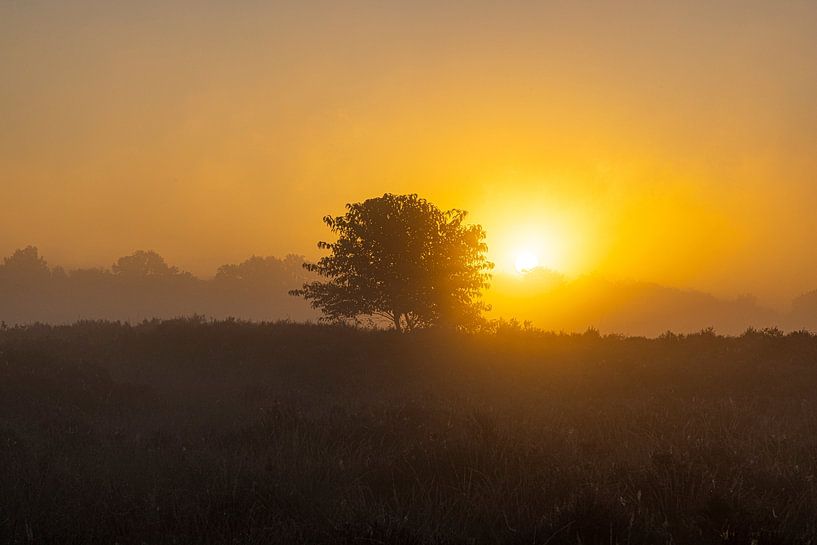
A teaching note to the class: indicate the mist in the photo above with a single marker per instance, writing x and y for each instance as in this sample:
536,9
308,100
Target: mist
143,286
653,142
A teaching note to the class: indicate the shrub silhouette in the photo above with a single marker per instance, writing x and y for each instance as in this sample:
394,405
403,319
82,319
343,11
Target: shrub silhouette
401,259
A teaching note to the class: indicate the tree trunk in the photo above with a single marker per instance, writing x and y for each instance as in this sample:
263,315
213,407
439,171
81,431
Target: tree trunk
396,318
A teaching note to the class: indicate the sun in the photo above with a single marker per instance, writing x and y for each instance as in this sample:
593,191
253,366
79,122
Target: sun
525,261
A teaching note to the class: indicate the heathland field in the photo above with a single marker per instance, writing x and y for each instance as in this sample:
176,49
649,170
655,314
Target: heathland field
189,431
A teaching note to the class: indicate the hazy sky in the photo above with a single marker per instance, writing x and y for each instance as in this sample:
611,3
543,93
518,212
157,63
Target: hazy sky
667,141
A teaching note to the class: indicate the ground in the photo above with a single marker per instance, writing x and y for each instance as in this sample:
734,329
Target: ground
189,431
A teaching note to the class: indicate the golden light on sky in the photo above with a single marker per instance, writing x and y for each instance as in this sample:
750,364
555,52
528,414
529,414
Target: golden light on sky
665,141
525,261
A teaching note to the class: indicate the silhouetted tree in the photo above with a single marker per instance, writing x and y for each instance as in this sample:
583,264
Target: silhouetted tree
264,272
257,288
402,259
143,263
25,266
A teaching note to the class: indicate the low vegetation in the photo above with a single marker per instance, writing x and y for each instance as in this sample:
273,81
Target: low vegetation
189,431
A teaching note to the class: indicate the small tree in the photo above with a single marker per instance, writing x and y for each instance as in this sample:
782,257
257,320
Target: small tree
400,258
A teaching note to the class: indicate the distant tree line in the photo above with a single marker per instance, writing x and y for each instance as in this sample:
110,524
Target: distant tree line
398,261
143,285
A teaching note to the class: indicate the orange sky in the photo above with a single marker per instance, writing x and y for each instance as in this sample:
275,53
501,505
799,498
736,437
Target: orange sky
666,141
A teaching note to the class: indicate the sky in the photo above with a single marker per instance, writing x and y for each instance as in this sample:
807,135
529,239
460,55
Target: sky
672,142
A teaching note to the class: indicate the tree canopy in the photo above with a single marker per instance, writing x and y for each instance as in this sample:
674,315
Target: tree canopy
142,264
264,272
24,267
400,258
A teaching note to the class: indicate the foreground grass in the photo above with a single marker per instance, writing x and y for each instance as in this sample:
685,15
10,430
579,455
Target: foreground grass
192,432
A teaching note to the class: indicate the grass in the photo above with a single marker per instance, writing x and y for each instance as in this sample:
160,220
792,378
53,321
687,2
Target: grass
188,431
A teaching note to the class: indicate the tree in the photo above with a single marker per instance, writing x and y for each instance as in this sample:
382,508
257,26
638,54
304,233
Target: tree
25,266
141,264
400,258
265,272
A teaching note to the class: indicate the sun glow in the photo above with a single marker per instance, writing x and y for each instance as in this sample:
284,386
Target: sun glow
525,261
